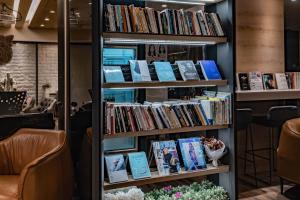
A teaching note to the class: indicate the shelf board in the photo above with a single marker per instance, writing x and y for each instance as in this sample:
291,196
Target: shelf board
156,84
185,2
265,95
143,38
155,178
165,131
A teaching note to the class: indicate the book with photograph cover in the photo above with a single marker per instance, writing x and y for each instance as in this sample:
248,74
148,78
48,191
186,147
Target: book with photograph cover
164,71
243,81
113,74
139,71
210,70
139,165
192,153
187,70
166,157
255,81
269,81
116,168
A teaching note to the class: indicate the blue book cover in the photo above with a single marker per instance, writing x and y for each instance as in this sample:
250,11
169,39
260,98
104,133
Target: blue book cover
116,168
192,153
166,157
164,71
139,71
139,165
113,74
210,70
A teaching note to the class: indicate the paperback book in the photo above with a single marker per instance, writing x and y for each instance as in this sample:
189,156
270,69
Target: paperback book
164,71
210,70
139,71
243,81
269,81
187,70
116,168
192,153
139,165
255,81
113,74
281,81
166,157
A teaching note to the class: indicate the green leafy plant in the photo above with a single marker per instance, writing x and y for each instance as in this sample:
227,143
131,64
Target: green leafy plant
205,190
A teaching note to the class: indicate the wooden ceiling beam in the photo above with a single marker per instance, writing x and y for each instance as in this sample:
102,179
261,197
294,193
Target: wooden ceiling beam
23,9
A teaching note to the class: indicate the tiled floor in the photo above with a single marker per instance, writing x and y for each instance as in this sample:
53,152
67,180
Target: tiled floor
268,193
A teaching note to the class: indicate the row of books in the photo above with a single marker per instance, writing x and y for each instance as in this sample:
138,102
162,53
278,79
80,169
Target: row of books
166,159
123,18
200,111
140,71
268,81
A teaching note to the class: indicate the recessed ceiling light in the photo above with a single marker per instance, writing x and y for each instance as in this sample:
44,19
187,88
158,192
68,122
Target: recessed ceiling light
52,11
42,25
90,3
293,0
164,5
47,19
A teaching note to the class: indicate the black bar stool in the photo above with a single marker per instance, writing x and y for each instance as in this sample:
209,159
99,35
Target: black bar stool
275,118
244,120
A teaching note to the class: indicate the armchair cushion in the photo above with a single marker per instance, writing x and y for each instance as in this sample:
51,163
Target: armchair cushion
9,187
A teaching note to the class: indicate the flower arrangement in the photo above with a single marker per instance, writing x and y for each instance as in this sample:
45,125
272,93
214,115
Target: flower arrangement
196,191
131,194
214,149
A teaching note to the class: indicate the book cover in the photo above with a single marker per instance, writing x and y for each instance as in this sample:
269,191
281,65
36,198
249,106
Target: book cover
139,165
139,71
166,157
192,153
210,70
243,81
116,168
269,81
113,74
187,70
164,71
281,81
255,81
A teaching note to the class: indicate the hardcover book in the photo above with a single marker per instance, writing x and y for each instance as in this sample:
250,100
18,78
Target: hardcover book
281,81
269,81
164,71
116,168
166,157
139,165
255,81
187,70
210,70
139,71
113,74
243,81
192,153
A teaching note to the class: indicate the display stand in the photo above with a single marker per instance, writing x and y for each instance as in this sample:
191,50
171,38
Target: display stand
11,102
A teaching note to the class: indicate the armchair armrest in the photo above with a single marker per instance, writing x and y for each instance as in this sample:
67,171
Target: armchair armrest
48,177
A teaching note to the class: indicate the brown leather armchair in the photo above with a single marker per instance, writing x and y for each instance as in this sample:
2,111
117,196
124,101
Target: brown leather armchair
35,164
288,152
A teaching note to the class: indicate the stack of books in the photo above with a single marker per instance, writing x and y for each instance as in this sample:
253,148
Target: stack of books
200,111
131,19
268,81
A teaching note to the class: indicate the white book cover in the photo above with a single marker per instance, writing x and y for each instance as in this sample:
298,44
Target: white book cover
188,70
143,66
116,168
139,71
281,81
255,80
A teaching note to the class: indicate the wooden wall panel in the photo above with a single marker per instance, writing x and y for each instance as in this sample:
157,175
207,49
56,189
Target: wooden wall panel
260,35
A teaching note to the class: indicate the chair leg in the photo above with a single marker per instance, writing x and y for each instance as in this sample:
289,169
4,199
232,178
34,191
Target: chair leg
270,156
253,156
245,152
281,185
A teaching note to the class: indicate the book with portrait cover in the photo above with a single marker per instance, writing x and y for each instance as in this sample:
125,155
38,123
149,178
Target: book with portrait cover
164,71
139,71
116,168
188,70
166,157
210,70
139,165
269,81
192,153
113,74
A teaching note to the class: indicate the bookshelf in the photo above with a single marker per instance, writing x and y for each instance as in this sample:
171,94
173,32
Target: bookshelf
220,49
156,84
265,95
166,131
155,178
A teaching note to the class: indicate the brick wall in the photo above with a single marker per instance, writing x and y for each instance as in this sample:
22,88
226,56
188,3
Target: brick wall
23,67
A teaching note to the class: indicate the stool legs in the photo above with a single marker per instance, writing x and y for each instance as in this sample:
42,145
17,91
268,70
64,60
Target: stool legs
270,149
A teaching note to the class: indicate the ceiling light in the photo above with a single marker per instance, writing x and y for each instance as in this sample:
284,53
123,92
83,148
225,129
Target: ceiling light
293,0
52,11
47,19
16,7
74,17
164,5
33,8
42,25
90,3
